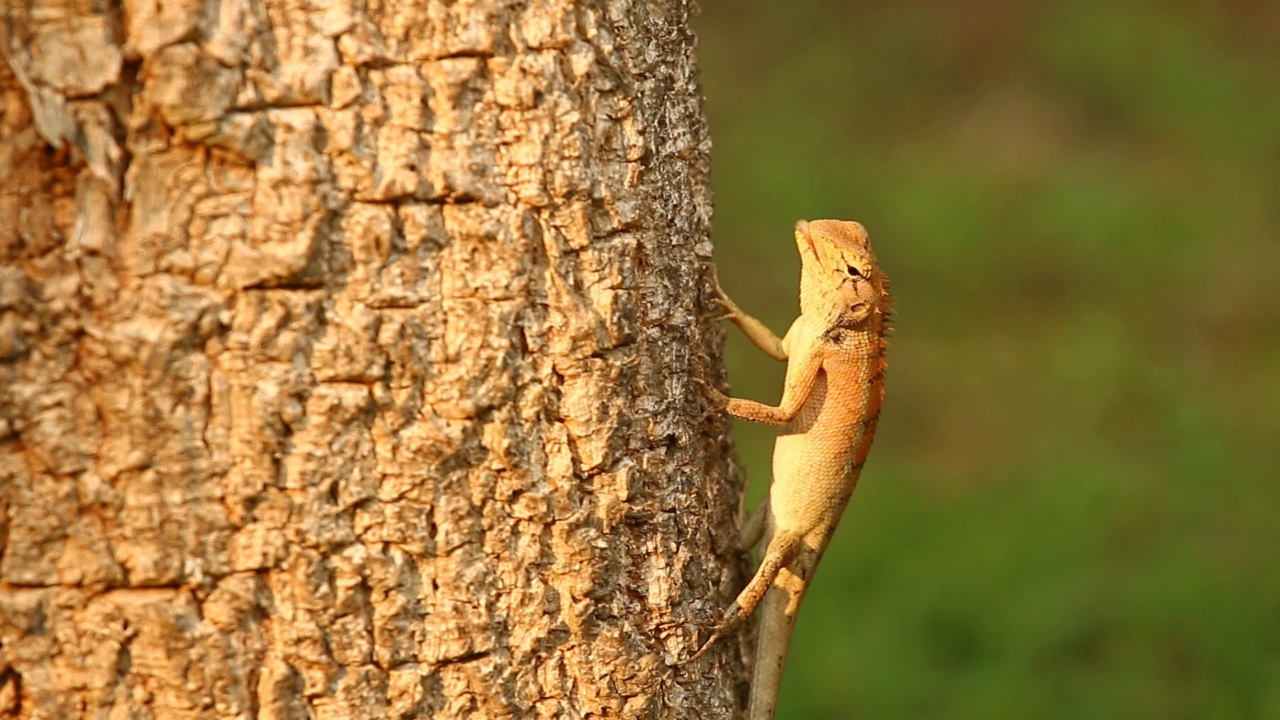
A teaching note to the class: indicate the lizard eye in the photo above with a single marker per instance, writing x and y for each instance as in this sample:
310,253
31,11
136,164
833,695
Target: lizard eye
853,271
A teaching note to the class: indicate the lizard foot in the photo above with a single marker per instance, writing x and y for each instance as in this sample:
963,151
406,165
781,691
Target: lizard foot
733,619
718,400
729,309
702,650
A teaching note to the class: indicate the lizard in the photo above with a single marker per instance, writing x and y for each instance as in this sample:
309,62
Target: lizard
835,355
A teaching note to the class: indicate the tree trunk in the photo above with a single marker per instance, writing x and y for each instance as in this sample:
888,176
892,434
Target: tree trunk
350,360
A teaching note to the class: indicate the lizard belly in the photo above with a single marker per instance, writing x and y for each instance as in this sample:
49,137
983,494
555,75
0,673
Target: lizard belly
810,494
815,464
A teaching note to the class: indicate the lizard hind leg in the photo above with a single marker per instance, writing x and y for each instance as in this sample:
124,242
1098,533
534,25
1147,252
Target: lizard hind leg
782,550
753,528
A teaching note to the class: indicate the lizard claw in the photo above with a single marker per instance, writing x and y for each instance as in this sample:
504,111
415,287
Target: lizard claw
728,307
725,312
718,400
702,650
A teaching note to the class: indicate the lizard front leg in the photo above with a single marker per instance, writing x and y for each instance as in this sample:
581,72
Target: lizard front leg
802,375
757,332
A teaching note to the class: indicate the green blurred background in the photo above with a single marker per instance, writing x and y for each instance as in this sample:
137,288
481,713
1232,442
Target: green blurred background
1071,509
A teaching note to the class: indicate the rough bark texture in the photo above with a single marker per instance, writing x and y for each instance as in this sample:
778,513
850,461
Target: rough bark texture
349,358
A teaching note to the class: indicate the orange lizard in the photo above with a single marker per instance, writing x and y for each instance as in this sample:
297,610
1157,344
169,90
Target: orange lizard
835,355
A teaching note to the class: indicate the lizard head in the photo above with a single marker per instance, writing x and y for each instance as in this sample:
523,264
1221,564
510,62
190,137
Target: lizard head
839,271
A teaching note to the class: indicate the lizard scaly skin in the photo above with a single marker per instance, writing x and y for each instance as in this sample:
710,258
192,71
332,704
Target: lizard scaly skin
835,354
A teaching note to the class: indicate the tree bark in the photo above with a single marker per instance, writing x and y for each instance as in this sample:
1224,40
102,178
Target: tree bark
350,360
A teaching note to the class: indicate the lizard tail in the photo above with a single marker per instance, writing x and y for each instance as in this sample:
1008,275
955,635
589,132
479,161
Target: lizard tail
777,619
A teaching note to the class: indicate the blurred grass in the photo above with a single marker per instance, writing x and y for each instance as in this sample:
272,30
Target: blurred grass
1070,511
